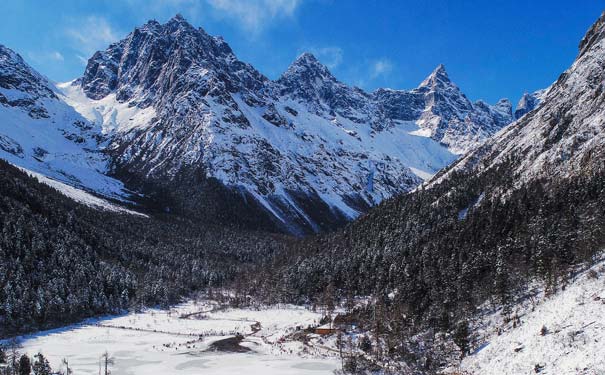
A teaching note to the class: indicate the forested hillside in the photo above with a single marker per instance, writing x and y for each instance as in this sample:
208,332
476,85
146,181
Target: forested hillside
431,258
524,207
61,261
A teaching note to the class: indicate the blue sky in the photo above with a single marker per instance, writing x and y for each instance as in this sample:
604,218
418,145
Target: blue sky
491,49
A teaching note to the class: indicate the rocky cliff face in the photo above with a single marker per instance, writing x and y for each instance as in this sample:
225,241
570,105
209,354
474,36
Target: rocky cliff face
445,114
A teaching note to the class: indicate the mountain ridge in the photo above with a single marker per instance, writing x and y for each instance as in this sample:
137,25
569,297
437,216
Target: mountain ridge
306,104
305,152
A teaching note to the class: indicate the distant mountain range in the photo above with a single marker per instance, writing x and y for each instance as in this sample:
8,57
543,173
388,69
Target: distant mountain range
171,112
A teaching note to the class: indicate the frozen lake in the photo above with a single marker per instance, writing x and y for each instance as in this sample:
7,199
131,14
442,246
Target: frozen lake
168,342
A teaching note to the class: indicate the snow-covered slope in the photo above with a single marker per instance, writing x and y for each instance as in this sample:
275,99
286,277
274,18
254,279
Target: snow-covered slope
307,148
41,133
560,334
80,195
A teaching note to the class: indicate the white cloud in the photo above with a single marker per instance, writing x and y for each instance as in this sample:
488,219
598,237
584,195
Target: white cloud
41,57
329,56
254,15
57,56
91,34
381,67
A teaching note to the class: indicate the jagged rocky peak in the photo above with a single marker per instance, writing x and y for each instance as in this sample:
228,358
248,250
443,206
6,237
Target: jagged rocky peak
155,59
40,132
528,102
308,80
443,95
306,76
310,150
504,105
437,77
502,111
307,67
563,137
444,113
178,21
16,74
594,35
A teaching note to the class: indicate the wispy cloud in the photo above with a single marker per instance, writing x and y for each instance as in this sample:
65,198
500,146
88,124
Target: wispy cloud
57,56
329,56
82,59
381,67
371,72
254,15
45,56
91,34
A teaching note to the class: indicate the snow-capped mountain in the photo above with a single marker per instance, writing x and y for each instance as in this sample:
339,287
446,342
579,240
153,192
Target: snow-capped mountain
170,108
522,209
40,132
445,114
308,149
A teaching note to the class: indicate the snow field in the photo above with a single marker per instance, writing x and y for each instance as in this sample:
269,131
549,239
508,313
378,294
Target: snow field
168,342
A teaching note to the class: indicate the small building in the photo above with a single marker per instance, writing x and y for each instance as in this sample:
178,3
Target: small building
326,329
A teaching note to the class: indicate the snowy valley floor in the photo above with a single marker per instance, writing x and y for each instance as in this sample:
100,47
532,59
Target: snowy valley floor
562,334
177,341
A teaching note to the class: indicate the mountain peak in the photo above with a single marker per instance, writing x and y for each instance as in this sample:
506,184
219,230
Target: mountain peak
178,22
439,75
307,59
307,67
440,69
178,18
593,35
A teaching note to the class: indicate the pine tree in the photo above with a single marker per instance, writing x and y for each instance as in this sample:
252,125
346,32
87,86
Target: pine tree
41,365
462,338
25,365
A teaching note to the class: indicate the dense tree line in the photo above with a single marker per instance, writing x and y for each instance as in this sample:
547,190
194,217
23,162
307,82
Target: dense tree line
12,362
61,261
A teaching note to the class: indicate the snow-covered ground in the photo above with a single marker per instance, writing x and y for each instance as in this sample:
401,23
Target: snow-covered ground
168,342
80,195
572,342
107,113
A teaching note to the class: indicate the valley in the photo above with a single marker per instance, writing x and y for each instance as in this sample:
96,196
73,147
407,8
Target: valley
173,210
